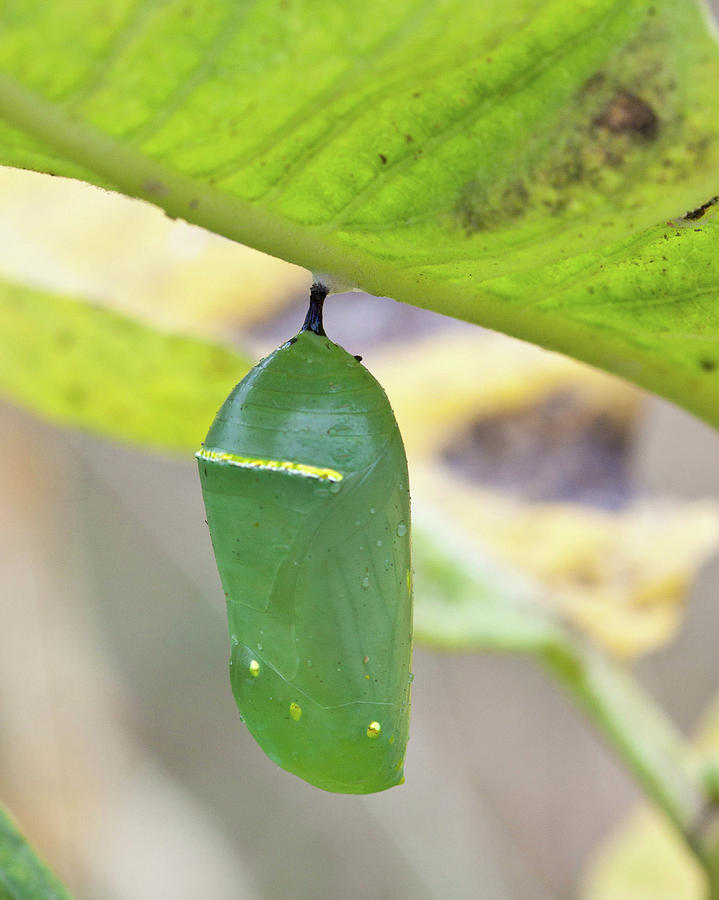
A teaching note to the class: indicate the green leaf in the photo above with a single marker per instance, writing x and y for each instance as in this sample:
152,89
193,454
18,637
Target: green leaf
23,875
521,164
91,368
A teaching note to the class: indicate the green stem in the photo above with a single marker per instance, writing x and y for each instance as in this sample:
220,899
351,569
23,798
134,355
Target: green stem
667,767
471,602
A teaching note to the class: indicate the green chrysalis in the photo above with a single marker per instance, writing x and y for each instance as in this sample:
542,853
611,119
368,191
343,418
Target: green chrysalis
304,478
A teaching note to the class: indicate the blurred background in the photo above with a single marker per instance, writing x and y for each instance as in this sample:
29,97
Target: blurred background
121,750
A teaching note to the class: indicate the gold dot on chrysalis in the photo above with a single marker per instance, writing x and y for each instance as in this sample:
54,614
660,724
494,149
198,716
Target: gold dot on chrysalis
373,730
295,711
254,668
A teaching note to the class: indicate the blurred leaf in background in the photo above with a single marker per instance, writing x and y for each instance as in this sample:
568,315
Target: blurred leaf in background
131,257
528,454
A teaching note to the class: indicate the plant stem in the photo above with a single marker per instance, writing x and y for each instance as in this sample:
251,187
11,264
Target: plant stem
668,768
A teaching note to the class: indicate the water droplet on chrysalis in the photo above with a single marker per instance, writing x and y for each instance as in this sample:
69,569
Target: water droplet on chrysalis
401,529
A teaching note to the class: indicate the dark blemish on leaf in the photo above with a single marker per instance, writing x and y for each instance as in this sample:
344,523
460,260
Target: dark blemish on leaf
594,82
383,158
187,11
628,114
700,210
708,365
358,358
155,186
194,203
557,449
408,139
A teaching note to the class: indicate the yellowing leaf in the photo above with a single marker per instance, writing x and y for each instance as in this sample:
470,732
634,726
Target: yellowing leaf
75,239
620,575
89,367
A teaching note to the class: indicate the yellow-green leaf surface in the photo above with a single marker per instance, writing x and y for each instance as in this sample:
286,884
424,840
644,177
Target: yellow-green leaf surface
522,164
95,369
23,876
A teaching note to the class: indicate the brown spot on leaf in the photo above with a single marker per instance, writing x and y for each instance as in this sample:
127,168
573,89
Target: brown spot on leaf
628,114
558,449
383,158
155,186
700,210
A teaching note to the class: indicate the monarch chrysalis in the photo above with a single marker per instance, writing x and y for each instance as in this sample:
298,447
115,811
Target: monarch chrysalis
304,479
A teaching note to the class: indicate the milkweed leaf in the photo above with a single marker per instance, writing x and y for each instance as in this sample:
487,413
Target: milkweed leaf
91,368
548,169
